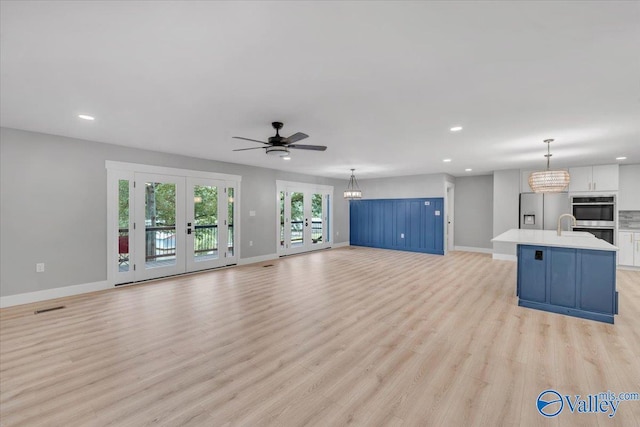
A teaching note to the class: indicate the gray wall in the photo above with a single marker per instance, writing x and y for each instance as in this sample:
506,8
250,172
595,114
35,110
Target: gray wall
506,202
404,187
473,211
53,207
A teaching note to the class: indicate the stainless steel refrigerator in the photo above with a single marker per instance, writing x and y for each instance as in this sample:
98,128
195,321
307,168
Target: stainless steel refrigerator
541,211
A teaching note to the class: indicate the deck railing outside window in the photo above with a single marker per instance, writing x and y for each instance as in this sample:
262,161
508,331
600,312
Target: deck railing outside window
161,242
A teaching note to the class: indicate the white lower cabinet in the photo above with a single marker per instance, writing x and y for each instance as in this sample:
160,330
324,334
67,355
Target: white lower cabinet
629,244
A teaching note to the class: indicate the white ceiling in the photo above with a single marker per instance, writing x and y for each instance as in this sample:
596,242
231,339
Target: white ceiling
379,83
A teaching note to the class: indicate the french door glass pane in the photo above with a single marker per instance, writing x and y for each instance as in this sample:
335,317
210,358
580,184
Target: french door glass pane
205,208
281,204
123,225
160,224
297,219
316,218
230,221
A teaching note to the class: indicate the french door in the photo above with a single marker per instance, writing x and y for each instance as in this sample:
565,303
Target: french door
169,224
304,217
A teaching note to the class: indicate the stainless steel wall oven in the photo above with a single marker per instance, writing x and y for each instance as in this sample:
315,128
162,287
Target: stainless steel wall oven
595,214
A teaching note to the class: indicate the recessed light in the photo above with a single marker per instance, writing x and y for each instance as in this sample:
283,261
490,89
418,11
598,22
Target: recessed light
286,157
468,170
621,158
85,117
446,160
456,129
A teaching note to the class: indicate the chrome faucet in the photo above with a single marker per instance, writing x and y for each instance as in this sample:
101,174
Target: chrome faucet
573,218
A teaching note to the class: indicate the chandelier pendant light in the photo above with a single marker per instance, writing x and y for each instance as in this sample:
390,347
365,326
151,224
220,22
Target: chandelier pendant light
549,181
353,190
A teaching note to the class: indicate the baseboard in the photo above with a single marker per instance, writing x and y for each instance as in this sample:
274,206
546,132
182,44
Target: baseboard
47,294
628,268
261,258
505,257
473,249
340,245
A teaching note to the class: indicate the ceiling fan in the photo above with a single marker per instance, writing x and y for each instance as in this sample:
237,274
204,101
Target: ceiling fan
280,145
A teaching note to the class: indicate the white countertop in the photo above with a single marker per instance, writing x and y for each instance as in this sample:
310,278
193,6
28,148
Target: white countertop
569,239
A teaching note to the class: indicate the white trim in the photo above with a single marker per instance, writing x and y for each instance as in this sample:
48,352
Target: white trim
449,216
628,268
473,249
505,257
138,167
255,259
47,294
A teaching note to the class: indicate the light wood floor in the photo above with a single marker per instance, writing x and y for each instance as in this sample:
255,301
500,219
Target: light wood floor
348,336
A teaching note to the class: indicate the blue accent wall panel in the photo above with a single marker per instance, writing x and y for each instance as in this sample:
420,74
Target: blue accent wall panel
403,224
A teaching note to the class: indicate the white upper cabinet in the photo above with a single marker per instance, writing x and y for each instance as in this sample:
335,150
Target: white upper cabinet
629,195
594,178
605,178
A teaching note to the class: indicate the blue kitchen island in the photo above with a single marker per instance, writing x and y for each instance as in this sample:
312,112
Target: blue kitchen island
572,274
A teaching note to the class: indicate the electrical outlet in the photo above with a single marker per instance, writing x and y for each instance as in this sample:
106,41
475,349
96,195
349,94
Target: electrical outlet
250,242
402,235
40,267
337,233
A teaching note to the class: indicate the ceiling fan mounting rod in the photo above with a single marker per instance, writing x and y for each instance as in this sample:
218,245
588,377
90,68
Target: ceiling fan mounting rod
277,126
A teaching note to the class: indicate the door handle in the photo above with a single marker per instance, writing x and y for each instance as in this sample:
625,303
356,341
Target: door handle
188,228
306,222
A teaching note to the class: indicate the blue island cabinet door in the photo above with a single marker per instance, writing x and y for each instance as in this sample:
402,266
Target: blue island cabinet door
532,271
563,277
597,274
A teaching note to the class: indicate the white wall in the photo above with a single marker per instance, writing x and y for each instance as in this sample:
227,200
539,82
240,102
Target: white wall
53,207
506,201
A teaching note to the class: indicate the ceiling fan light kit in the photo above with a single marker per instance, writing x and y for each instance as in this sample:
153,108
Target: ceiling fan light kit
353,190
277,150
549,181
279,145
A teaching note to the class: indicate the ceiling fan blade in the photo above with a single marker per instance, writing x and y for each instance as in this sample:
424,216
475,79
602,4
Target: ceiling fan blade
252,148
249,139
308,147
298,136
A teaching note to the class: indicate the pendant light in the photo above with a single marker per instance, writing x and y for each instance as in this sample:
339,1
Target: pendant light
549,181
353,190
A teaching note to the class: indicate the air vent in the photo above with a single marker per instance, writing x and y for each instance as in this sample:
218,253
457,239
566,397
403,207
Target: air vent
44,310
268,265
